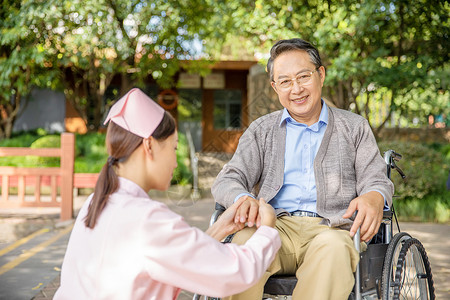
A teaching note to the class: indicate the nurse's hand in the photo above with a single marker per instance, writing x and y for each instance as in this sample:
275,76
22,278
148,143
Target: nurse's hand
226,224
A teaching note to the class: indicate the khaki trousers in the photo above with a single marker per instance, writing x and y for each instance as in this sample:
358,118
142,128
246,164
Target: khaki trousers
322,258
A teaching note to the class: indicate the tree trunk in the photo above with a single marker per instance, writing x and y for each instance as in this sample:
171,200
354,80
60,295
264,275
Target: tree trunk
126,84
9,114
7,124
378,130
8,128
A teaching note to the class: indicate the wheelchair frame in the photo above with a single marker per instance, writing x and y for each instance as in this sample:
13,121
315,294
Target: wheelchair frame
392,267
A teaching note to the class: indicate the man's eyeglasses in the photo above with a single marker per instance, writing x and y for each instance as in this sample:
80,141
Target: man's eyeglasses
301,79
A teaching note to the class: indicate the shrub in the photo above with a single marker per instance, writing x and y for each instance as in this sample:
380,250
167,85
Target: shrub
433,208
91,153
426,170
22,140
48,141
422,195
445,150
182,174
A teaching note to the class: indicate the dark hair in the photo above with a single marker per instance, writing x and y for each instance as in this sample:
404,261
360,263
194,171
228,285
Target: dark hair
120,144
289,45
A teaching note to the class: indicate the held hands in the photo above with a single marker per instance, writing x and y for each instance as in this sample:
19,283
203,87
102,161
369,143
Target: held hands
247,211
235,217
226,220
254,212
370,213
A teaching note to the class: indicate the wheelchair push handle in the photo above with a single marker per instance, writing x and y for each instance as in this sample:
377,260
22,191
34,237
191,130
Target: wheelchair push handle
391,154
390,157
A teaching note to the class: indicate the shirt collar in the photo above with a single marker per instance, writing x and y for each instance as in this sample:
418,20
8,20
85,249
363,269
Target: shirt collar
323,118
130,187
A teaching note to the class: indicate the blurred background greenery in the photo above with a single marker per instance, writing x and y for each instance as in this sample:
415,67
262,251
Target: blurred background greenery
90,153
380,56
422,196
390,55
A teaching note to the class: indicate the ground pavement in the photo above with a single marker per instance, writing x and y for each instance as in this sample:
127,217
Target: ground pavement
33,242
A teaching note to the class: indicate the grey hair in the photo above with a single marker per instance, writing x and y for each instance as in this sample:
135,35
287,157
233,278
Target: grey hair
289,45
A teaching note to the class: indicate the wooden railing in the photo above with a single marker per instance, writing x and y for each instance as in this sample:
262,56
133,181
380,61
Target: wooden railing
62,177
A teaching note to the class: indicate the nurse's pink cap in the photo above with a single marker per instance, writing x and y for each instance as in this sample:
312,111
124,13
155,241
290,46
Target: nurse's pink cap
137,113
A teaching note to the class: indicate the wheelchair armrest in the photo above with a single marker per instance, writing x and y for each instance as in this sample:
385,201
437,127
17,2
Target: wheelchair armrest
219,210
219,207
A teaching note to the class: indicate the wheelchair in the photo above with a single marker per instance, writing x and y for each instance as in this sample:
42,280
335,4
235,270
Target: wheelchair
392,267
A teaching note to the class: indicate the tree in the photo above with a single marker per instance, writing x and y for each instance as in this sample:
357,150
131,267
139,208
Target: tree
371,49
22,65
366,46
92,42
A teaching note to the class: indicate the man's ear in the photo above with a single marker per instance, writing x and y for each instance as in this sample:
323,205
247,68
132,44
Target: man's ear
274,87
322,74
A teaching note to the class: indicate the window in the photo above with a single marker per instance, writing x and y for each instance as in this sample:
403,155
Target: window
227,109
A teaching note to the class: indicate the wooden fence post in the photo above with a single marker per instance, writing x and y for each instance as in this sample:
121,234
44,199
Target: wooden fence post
67,168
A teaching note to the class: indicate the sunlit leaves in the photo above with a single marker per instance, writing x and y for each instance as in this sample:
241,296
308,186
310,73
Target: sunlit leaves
393,45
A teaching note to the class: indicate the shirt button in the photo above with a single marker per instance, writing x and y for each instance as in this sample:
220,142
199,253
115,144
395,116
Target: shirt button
305,170
306,146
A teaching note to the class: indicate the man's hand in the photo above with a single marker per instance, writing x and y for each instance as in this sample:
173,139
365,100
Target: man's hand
370,213
247,211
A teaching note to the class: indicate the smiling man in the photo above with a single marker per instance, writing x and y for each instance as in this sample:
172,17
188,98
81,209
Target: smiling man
317,166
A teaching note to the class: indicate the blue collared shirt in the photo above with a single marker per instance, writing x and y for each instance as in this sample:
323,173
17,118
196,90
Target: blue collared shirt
302,143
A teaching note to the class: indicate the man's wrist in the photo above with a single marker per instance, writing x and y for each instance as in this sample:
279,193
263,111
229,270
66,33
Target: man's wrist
386,206
243,194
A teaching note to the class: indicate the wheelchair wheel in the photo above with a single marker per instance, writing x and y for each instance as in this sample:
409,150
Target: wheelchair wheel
390,264
413,278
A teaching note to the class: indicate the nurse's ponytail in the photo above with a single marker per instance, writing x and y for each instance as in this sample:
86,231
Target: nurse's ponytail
120,144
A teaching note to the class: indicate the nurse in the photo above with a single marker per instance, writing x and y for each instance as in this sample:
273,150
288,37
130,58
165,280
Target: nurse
125,245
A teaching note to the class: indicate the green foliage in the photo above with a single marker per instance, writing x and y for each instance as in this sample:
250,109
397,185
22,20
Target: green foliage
26,139
48,141
425,168
22,63
82,47
94,41
90,153
22,139
182,174
444,149
422,195
435,208
401,46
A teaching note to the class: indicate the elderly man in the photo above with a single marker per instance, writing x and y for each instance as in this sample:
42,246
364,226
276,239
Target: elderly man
317,166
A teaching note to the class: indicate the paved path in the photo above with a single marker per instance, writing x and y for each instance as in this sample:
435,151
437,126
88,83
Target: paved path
34,272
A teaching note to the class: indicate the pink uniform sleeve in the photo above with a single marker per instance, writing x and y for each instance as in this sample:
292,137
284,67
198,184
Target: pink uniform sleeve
188,258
